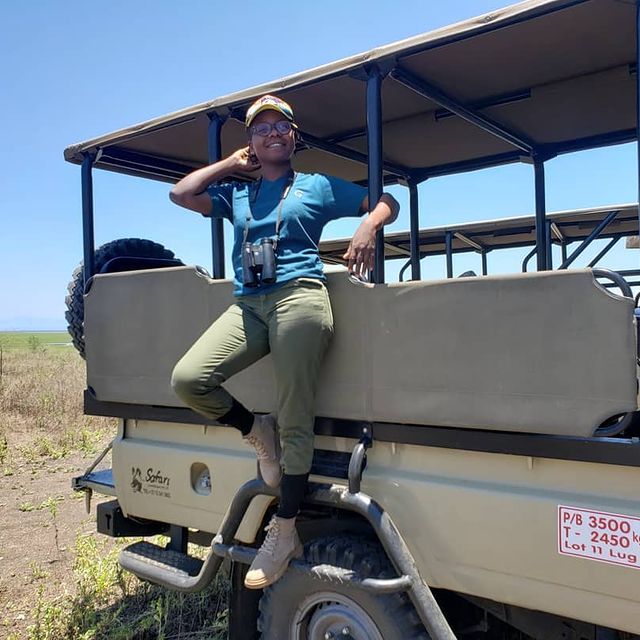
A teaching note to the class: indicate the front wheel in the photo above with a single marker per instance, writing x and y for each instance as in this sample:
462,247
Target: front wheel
302,607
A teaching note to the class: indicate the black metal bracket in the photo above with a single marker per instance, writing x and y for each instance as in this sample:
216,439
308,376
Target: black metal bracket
358,462
380,67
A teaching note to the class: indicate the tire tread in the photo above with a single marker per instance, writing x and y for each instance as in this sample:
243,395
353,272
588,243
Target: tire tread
74,300
335,554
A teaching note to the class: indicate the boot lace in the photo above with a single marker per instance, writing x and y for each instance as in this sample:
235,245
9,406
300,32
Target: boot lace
258,445
273,531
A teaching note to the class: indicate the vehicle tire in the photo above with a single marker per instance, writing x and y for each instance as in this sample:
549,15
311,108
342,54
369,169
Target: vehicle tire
627,424
124,247
301,606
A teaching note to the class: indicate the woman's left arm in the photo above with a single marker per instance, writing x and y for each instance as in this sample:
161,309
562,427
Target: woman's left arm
362,249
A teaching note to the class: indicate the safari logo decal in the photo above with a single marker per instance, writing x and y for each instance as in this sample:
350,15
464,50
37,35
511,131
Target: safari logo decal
151,482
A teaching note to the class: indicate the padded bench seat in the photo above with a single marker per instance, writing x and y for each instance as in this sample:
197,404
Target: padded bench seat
550,352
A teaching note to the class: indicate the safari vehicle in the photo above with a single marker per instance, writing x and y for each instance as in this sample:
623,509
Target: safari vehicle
477,453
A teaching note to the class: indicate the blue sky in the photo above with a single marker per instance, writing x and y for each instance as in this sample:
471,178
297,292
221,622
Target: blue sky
73,70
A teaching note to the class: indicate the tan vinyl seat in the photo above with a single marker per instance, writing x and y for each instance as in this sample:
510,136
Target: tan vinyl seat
549,352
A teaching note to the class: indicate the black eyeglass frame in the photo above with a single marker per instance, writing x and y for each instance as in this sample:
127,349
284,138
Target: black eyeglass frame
278,126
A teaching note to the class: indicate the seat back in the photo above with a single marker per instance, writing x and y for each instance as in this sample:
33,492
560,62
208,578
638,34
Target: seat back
549,352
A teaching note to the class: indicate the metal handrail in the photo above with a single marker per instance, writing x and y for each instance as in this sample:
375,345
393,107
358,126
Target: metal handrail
615,277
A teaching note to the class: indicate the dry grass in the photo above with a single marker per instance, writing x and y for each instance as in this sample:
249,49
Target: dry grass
41,413
108,604
42,419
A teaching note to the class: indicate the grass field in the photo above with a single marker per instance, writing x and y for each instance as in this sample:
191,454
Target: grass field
59,579
33,340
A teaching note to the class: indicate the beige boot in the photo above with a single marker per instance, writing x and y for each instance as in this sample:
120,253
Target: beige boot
279,547
265,441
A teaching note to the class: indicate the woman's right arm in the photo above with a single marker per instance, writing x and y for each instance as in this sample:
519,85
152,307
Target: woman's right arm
191,191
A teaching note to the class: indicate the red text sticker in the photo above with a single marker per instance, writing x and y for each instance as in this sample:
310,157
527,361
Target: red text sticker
597,535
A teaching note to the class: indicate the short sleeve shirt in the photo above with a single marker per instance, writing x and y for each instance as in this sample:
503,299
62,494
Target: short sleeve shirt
311,202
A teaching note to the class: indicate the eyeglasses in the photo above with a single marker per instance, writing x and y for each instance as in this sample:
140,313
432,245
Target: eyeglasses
265,128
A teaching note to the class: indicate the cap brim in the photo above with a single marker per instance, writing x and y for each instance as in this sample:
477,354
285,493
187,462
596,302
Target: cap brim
270,107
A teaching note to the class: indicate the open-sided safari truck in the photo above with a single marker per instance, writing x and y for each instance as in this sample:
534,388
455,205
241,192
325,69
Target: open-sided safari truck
497,415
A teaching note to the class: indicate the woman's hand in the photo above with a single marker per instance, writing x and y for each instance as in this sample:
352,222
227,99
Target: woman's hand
361,253
362,249
191,191
245,160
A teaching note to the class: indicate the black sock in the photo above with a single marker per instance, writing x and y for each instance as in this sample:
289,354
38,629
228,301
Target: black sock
292,490
239,417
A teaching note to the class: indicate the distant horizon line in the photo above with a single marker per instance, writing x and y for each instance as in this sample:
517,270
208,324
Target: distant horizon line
33,331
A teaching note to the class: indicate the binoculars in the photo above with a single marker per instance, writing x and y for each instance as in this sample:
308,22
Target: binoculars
258,263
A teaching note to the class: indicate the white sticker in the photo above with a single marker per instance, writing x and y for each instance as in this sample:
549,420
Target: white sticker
598,535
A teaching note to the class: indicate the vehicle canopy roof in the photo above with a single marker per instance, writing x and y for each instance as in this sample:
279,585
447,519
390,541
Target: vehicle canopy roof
559,75
617,221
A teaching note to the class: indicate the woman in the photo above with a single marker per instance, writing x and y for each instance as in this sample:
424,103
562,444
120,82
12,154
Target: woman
286,313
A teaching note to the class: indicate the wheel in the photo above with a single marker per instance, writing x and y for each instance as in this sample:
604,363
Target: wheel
303,607
624,423
123,248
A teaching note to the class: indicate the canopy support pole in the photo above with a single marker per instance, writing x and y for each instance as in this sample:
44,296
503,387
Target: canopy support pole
638,100
374,169
541,214
87,216
414,237
448,243
217,229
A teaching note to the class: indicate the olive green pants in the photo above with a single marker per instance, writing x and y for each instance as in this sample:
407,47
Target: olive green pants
294,324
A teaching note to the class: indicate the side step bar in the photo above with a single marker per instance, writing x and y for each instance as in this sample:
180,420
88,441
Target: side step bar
146,560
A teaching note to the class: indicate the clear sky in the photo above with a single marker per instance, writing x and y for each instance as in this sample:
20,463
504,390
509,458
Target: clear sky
71,70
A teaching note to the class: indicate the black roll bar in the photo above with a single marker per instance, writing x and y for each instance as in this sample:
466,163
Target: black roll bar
374,149
541,214
414,219
483,254
88,241
217,229
448,241
638,99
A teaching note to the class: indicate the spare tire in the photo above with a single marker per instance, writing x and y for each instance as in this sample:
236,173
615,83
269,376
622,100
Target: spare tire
122,248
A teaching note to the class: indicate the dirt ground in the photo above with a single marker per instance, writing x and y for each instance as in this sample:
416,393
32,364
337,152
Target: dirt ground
41,517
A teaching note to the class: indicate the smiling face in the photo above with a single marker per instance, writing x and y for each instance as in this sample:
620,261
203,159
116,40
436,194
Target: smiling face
275,148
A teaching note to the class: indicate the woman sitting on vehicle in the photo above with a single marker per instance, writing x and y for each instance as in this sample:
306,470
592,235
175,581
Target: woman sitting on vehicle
282,305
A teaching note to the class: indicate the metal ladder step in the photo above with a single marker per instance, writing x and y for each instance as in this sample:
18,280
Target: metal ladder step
158,564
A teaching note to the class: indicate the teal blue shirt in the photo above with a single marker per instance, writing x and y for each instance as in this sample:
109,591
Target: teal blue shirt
312,201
